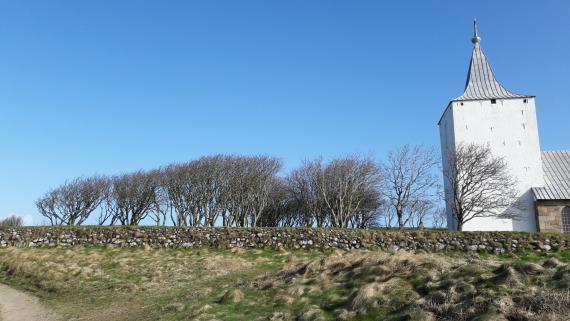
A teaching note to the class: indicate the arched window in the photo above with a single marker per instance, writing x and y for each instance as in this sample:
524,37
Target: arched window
566,219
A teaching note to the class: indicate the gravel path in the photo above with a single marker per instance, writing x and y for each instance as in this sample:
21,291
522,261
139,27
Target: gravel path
19,306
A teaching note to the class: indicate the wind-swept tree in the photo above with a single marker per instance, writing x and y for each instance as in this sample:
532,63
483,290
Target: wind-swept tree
250,182
130,198
73,202
303,184
161,206
262,180
177,184
280,212
347,185
12,221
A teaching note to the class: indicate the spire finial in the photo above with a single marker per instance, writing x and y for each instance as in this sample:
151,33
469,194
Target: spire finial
476,39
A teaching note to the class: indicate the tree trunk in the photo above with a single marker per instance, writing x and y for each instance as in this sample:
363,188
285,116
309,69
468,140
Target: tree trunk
459,226
400,221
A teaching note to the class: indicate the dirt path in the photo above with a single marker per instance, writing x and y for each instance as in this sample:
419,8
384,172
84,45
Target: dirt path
20,306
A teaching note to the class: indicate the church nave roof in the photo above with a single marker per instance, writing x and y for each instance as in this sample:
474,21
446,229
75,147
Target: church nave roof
556,165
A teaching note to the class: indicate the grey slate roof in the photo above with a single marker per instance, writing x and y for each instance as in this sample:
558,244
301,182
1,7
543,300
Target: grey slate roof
481,81
556,165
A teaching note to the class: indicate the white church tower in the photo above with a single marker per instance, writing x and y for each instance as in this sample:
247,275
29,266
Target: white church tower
489,114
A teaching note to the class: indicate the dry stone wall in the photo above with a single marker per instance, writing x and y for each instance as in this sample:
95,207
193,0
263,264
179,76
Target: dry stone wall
290,238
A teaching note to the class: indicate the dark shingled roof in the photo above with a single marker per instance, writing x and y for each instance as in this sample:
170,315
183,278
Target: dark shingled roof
556,165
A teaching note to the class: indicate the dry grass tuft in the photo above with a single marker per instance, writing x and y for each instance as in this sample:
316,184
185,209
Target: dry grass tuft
508,276
369,296
312,313
546,305
531,268
280,316
232,296
238,250
176,306
551,263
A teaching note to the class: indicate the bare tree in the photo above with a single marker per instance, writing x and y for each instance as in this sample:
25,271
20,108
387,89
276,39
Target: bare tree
421,212
386,215
479,184
408,181
304,184
161,205
130,198
281,209
341,193
262,181
250,182
369,214
438,218
12,221
46,205
236,189
177,183
210,180
73,202
347,184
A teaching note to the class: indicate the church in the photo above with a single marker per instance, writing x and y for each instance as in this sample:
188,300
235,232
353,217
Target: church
489,114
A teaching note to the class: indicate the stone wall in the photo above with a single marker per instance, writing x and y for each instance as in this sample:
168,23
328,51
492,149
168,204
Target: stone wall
549,215
293,238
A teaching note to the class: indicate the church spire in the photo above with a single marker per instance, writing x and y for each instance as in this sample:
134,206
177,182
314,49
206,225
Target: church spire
481,82
476,39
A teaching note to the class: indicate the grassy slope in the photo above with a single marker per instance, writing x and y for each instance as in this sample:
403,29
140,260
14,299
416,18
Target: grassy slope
134,284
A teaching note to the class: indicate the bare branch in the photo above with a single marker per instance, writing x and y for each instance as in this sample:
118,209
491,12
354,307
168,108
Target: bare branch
479,185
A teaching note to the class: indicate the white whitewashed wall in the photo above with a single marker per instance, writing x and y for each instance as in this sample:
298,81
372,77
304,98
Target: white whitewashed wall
510,127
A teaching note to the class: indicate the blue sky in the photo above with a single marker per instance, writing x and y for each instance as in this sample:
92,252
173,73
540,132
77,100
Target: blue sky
112,86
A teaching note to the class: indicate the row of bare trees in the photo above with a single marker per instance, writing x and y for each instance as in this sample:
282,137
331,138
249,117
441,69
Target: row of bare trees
11,221
340,193
242,191
236,189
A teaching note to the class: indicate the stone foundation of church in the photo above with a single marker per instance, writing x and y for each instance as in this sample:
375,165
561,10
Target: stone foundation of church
549,215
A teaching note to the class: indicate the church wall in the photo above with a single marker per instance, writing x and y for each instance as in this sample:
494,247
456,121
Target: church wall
549,215
509,127
447,144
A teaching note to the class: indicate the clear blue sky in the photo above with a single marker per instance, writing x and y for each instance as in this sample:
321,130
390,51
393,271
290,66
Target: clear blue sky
112,86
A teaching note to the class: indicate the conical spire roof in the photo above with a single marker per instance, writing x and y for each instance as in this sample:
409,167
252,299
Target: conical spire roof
481,81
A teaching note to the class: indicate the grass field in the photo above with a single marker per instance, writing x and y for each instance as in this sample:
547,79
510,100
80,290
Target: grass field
89,283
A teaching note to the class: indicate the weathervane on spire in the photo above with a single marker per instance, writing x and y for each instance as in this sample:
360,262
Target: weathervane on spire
476,39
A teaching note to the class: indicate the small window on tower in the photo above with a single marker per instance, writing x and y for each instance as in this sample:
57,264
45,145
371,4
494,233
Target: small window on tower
493,101
525,101
461,104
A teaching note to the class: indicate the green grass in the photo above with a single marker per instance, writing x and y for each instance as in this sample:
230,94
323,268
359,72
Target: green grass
520,257
96,283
